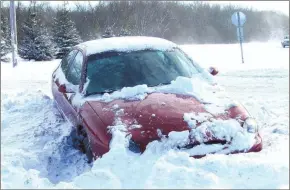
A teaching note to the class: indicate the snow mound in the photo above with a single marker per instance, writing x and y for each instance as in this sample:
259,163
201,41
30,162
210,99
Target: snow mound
194,118
138,92
36,145
36,151
164,166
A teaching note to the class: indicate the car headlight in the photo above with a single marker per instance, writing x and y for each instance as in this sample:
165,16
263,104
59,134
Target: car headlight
251,125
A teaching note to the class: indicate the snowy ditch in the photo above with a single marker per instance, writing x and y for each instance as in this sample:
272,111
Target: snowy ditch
36,151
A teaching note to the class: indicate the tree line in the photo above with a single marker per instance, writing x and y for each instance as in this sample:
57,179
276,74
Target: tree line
46,32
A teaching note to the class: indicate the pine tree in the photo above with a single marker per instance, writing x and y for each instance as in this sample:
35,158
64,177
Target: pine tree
108,33
36,43
125,32
65,34
5,42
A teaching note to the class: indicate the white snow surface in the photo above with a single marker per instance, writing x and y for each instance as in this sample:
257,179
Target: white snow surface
126,44
36,150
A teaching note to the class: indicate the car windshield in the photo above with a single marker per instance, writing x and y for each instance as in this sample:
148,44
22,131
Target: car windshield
111,71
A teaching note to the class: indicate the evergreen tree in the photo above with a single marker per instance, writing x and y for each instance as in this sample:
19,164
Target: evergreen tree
36,43
125,32
108,33
65,34
5,42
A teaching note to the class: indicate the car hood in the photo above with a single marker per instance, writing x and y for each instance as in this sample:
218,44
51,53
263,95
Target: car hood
158,113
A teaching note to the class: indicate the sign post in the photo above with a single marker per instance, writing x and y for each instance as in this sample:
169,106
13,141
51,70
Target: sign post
239,19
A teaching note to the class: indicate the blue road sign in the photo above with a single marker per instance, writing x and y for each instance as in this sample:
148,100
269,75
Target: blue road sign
239,19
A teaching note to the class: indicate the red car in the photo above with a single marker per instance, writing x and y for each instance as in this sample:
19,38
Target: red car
102,67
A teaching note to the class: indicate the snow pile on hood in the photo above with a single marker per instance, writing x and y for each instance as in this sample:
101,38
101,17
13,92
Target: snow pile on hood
138,92
126,44
213,96
228,130
193,119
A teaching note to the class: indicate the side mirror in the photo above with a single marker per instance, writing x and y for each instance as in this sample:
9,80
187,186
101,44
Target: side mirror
63,89
213,71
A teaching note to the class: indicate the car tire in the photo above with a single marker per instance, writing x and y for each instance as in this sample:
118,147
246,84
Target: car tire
81,141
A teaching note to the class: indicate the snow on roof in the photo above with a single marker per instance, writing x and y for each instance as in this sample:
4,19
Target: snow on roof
126,44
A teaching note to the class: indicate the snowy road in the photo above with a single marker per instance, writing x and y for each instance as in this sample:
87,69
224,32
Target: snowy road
36,150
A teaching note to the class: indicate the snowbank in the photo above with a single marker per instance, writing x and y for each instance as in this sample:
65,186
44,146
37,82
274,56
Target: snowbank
36,150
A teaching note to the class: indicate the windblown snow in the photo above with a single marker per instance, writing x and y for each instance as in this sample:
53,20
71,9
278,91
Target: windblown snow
36,149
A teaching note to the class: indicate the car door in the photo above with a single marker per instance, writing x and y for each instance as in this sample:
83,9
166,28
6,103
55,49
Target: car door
71,67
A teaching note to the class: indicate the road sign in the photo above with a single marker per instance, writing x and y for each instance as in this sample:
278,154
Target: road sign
239,19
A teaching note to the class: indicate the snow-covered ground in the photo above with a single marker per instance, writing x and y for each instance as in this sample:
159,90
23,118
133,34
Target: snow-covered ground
36,151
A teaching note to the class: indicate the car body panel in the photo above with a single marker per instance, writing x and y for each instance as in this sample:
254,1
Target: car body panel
96,130
63,101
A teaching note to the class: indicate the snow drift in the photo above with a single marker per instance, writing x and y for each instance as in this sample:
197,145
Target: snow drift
37,151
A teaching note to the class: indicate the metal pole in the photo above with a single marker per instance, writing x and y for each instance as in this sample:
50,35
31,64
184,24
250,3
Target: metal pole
13,33
240,37
1,5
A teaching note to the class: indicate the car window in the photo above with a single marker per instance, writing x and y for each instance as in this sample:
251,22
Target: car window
112,71
66,61
73,74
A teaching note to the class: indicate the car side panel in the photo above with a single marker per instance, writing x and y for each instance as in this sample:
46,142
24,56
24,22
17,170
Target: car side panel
96,129
64,103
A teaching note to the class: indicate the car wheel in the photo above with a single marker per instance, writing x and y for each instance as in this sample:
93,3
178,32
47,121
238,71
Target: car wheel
81,142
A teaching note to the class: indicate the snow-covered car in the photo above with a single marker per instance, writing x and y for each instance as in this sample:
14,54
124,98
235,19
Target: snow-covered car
285,41
152,91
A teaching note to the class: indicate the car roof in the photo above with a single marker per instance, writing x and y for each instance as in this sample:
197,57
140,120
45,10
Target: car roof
125,44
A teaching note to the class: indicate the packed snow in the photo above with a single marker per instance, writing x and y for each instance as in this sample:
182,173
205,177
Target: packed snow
37,151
